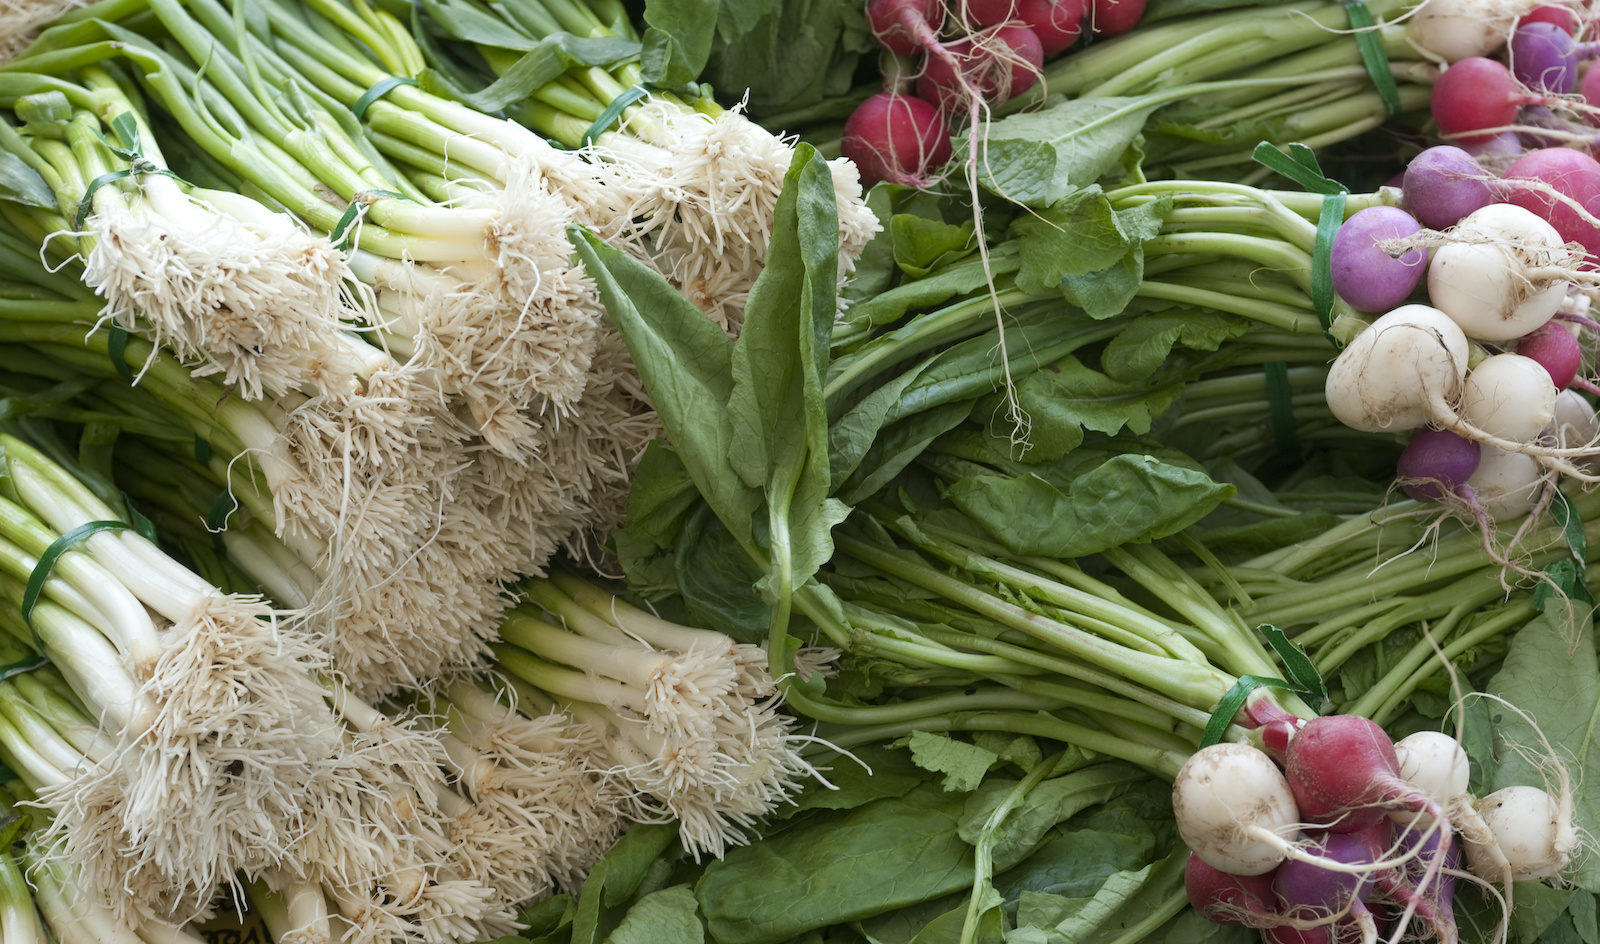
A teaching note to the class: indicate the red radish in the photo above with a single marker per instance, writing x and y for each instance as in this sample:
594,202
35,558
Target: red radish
1475,97
1556,350
1114,17
893,22
1564,17
1223,898
999,63
1551,174
978,14
896,138
1057,23
1344,774
1590,87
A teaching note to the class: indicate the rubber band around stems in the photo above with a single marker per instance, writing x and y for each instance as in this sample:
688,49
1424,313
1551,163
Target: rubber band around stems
1299,163
1280,407
611,114
380,90
47,563
1373,55
1232,701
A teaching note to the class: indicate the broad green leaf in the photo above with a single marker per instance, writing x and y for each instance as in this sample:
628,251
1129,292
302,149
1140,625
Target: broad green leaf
921,244
1074,863
1126,908
875,268
1051,802
678,40
1127,499
838,868
1141,349
718,579
1081,234
20,183
1537,908
1068,398
897,446
875,772
661,494
686,363
1551,672
616,877
1190,928
797,54
896,303
541,62
1038,157
1106,293
962,763
1018,749
664,917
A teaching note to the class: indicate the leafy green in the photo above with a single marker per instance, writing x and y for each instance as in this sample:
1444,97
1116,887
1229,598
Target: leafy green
1141,349
963,763
1036,158
667,916
717,579
616,877
1080,234
1128,906
1051,802
1127,499
922,245
1069,397
875,858
1551,673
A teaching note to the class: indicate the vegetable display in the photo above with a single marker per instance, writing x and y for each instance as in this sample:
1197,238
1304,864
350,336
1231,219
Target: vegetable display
798,472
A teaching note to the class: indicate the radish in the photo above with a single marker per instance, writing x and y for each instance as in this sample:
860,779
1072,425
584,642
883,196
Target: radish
1435,764
1561,186
1509,396
1435,463
1531,829
1313,893
1286,934
1576,423
1564,17
998,64
1545,57
1057,23
1344,775
1398,372
895,22
1476,97
1589,87
1223,898
1114,17
978,14
1456,30
1444,184
1556,350
1497,152
1505,485
1366,275
1234,809
897,138
1501,273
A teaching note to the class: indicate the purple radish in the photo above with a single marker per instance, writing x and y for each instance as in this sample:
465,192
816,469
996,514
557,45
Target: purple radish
1223,898
897,138
1344,775
1311,892
1564,17
1435,463
1367,275
1444,184
1544,57
1498,151
1556,350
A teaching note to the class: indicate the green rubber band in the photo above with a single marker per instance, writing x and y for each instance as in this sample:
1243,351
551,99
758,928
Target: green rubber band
340,236
1322,261
136,520
1231,703
612,113
17,668
82,215
1373,55
378,91
202,451
222,508
1280,407
117,350
47,563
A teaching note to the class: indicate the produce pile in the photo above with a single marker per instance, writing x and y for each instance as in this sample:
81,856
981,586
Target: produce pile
556,471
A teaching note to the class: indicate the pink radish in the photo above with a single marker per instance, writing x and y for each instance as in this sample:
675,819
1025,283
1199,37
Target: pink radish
1223,898
894,22
1114,17
1556,350
1562,186
977,14
1564,17
1474,98
998,63
896,138
1057,23
1344,774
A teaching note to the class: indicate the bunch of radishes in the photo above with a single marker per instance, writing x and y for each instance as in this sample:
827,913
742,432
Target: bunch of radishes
958,61
1352,836
1504,259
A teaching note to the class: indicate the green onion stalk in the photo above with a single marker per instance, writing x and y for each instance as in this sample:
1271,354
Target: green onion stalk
684,719
690,186
1284,72
208,698
231,287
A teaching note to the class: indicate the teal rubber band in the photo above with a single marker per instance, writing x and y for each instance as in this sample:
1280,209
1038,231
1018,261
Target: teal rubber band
1231,703
222,508
378,91
1328,224
202,451
117,350
612,113
1280,407
82,215
47,563
17,668
1302,672
340,236
1373,55
140,524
